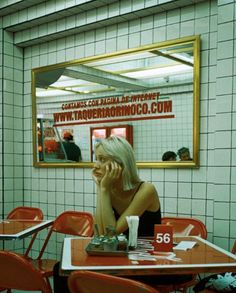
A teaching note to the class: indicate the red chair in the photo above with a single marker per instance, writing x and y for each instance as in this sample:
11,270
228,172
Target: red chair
26,213
88,281
183,226
18,273
186,226
234,248
71,223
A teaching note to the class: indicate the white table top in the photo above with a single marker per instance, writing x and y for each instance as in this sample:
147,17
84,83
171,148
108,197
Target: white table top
18,229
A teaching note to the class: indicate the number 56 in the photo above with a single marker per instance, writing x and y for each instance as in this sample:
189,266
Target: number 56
163,238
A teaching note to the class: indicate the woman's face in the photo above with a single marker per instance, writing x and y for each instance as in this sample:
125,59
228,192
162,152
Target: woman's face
102,160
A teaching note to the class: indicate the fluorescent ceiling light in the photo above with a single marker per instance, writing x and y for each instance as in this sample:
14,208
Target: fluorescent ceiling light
66,83
127,57
157,72
184,57
51,93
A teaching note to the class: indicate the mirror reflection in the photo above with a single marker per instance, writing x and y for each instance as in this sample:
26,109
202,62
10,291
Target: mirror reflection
148,95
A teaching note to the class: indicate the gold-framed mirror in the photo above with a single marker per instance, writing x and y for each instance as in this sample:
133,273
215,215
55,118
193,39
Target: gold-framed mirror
148,94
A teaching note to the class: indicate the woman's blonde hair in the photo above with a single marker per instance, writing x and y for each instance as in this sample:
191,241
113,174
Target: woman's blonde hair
121,151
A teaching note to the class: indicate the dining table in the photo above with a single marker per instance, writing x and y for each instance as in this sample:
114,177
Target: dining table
19,229
201,257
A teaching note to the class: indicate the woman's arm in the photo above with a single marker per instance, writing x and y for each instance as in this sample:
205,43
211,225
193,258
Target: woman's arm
104,210
104,215
98,214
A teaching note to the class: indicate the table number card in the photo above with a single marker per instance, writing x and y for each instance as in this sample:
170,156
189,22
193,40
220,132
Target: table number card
163,238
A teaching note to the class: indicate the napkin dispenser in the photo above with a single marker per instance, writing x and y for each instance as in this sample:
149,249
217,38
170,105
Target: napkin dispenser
133,223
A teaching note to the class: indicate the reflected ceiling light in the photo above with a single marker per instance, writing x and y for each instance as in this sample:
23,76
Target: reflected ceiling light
184,57
128,57
63,77
159,71
66,83
51,93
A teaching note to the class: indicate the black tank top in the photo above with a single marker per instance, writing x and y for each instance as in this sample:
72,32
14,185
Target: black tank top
146,221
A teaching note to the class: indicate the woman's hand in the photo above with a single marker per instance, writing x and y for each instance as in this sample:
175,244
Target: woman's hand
95,178
112,174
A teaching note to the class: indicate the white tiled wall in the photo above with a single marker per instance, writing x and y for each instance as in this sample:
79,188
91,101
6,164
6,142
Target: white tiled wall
1,133
224,221
207,193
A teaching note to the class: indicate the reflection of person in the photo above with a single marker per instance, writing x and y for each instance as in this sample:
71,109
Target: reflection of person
73,152
169,156
40,144
120,192
184,154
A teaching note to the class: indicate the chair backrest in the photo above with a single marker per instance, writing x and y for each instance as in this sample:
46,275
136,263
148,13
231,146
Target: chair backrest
26,213
18,273
184,226
75,223
89,281
234,247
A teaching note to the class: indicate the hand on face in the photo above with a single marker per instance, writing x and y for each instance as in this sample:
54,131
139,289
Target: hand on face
95,177
97,173
112,174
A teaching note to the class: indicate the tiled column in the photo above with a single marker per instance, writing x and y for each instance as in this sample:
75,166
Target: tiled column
12,123
225,124
12,126
1,122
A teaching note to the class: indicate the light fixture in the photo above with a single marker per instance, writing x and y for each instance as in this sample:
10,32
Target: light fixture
158,72
52,93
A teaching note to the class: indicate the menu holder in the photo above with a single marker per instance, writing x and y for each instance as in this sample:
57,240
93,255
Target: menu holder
93,249
163,238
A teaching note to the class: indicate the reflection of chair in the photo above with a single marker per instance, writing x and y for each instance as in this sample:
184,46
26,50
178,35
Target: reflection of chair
183,226
26,213
18,273
88,281
71,223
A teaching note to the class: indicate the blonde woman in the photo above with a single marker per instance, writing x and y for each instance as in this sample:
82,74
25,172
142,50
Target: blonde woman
120,191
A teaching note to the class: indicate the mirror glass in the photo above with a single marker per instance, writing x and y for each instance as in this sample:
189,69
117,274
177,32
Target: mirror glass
150,95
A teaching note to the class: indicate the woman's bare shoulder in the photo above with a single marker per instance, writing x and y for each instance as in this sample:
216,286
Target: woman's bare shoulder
148,187
148,195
